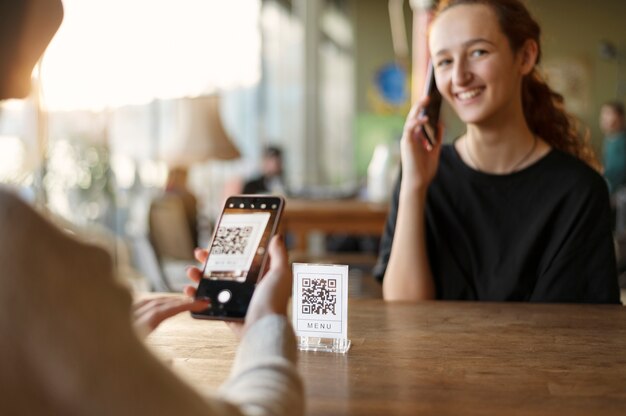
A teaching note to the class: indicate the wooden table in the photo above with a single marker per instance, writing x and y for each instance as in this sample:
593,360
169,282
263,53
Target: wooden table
349,216
442,358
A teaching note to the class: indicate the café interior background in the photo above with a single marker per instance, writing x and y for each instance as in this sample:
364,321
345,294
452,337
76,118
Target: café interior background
319,78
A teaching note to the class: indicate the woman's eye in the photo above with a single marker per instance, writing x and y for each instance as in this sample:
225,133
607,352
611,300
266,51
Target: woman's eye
479,52
443,62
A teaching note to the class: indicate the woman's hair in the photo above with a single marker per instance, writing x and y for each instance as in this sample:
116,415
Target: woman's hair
543,108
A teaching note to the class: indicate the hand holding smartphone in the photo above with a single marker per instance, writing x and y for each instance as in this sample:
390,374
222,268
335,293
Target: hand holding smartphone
237,255
430,130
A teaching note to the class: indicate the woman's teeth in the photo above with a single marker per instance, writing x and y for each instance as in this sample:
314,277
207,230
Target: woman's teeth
466,95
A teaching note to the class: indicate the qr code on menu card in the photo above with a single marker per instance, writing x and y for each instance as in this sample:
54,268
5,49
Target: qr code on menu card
319,296
231,240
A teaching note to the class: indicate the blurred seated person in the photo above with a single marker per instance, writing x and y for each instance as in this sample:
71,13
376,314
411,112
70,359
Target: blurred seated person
177,185
69,343
270,181
173,232
613,127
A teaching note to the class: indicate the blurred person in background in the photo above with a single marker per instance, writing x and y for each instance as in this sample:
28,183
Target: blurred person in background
69,344
613,127
176,185
271,180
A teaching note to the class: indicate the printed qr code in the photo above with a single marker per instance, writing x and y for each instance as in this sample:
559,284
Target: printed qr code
231,240
319,296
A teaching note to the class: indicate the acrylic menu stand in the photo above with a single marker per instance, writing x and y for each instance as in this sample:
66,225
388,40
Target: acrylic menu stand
320,307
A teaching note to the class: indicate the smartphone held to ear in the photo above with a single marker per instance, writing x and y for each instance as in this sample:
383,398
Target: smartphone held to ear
430,130
238,255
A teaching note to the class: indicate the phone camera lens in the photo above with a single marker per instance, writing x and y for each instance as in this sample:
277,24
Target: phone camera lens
274,206
241,205
263,206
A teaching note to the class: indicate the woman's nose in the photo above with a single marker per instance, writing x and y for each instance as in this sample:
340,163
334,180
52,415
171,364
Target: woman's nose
461,74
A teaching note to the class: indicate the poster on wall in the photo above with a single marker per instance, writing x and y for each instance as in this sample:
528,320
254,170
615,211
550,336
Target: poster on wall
570,77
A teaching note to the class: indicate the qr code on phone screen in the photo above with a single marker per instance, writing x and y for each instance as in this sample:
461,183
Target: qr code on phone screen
231,240
319,296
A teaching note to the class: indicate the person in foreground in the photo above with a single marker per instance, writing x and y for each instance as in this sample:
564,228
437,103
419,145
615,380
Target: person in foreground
513,210
68,344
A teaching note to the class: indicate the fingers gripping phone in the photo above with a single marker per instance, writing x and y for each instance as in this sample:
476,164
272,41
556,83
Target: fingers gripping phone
237,255
430,130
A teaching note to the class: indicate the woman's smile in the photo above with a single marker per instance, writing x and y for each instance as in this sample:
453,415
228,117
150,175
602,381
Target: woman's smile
468,94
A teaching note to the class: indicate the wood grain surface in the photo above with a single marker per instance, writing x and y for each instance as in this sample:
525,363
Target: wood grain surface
441,358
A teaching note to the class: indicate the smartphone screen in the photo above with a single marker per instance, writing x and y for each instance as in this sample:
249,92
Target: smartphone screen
237,255
432,110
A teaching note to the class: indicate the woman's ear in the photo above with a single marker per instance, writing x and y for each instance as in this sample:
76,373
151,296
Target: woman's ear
528,55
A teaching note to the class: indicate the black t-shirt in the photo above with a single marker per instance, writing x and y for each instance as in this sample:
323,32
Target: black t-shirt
540,234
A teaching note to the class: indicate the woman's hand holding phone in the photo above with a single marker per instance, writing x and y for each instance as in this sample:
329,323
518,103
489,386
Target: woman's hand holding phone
420,159
272,292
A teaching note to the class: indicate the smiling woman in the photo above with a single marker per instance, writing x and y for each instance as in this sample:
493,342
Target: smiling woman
111,53
512,210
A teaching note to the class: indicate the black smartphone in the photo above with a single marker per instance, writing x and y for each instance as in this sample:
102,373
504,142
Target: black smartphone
237,255
430,130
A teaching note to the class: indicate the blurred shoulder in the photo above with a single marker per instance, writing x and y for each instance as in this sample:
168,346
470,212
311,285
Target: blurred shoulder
26,232
50,263
14,212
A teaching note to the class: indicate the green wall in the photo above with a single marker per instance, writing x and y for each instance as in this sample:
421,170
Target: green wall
374,47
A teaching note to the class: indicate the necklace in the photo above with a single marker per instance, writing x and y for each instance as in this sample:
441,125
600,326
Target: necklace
514,168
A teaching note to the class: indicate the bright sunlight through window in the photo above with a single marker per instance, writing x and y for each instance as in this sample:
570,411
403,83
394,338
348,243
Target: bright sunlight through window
118,52
11,158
